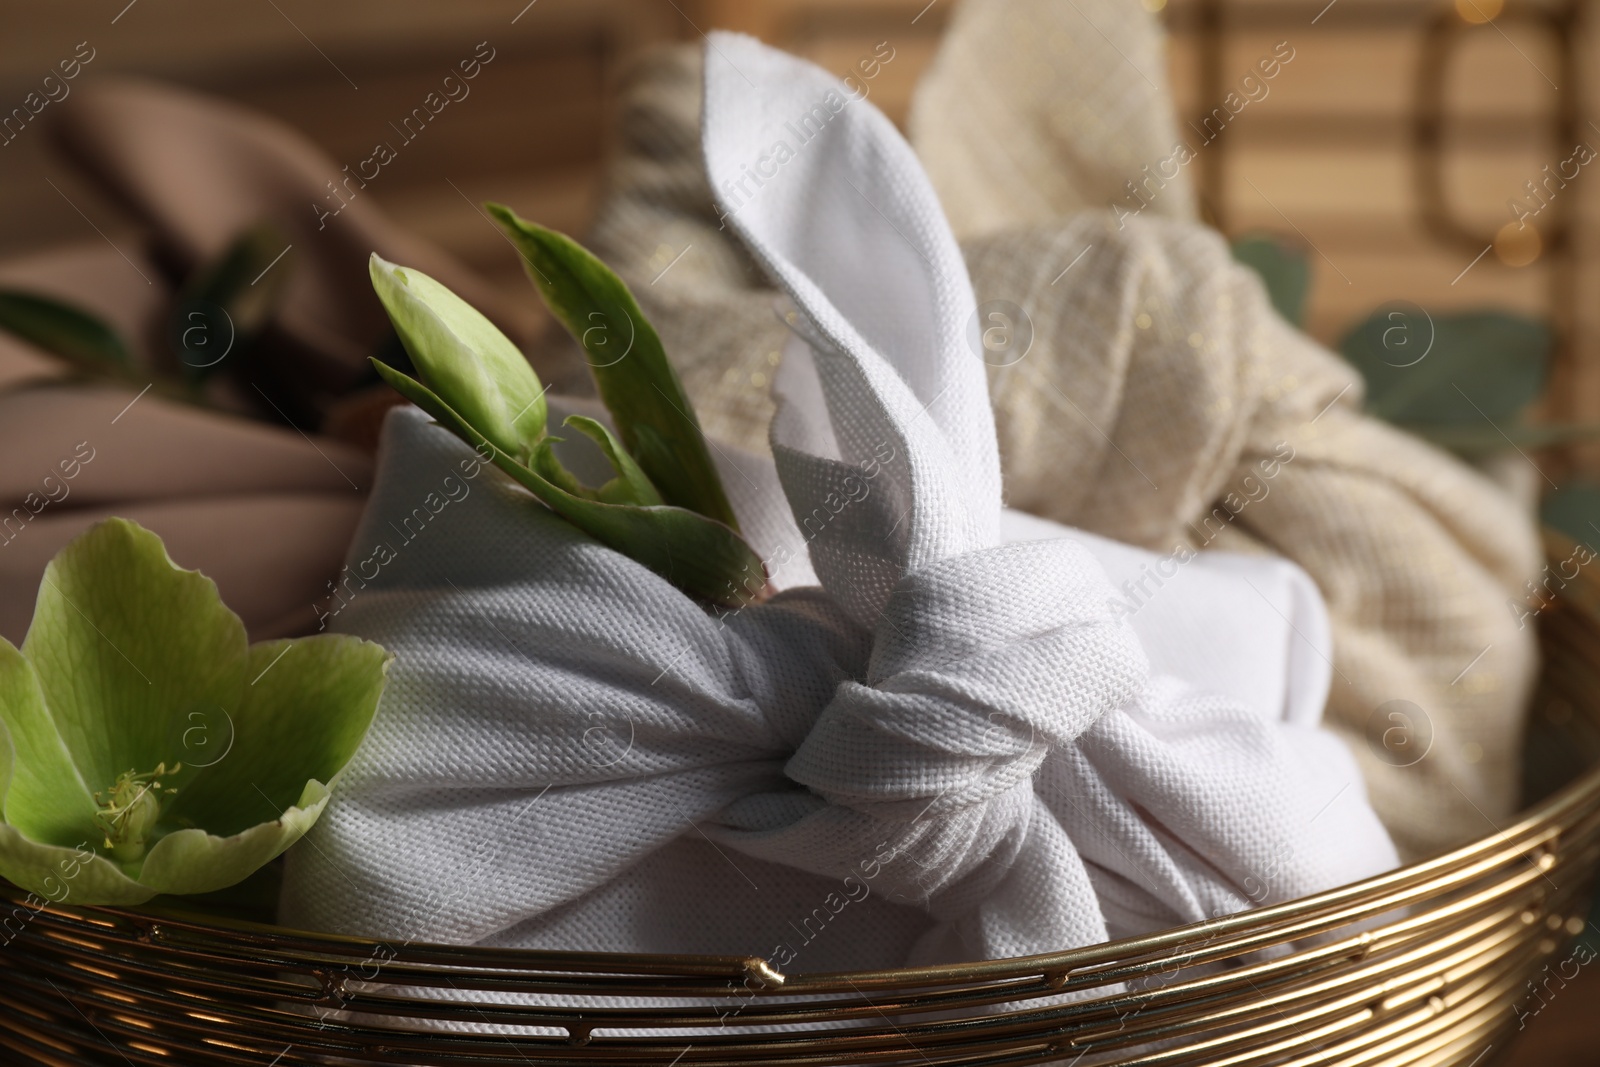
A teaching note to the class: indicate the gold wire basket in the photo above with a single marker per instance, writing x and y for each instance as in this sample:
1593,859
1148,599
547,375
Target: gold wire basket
1425,965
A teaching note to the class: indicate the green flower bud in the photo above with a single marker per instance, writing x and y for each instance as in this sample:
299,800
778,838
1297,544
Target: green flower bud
463,358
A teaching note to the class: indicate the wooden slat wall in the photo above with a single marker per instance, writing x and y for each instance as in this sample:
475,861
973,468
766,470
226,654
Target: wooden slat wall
1328,152
531,132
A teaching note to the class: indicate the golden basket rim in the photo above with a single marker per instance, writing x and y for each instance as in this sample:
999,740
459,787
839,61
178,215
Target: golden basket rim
1536,829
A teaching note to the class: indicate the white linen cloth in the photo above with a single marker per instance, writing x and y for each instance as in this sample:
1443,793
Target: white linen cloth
953,748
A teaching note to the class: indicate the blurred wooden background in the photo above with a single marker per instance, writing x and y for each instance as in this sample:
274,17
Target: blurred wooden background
1327,158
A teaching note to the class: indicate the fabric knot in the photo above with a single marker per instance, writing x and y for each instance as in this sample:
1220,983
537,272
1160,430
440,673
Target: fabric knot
980,665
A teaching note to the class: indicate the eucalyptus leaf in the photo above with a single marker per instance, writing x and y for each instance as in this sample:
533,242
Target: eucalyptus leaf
1284,269
1575,511
639,386
1483,439
701,556
1473,367
77,336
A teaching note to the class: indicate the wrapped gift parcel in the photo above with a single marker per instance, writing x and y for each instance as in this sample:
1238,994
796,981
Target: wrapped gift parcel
944,735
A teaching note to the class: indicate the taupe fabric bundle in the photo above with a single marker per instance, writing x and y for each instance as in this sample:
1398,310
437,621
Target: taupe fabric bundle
1159,388
264,510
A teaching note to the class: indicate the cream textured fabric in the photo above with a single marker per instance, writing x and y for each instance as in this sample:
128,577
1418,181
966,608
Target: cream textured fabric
714,309
1075,112
1157,384
952,721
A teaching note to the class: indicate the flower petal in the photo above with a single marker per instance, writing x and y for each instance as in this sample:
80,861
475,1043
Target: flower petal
55,872
127,646
307,704
193,861
64,875
46,798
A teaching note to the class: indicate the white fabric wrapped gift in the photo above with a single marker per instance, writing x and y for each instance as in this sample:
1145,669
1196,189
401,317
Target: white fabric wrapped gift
954,746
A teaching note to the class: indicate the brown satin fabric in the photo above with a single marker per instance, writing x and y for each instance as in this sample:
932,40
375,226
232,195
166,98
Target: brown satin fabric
197,171
263,509
264,512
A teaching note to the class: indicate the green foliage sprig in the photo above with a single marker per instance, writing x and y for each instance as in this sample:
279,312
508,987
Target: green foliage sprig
665,506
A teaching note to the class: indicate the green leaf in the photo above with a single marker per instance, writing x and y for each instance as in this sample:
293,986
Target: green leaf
630,486
639,386
463,357
701,556
1575,511
1449,369
1283,268
75,335
127,645
227,303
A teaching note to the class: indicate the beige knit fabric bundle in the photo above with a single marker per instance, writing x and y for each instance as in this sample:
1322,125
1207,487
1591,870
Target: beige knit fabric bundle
1161,402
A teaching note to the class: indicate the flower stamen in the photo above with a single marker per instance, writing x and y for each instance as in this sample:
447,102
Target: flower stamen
128,811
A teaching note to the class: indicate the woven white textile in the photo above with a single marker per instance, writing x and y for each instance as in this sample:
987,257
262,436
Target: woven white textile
953,747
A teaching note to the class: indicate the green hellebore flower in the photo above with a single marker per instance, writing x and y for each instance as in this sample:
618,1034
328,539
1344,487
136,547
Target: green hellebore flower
463,356
146,747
